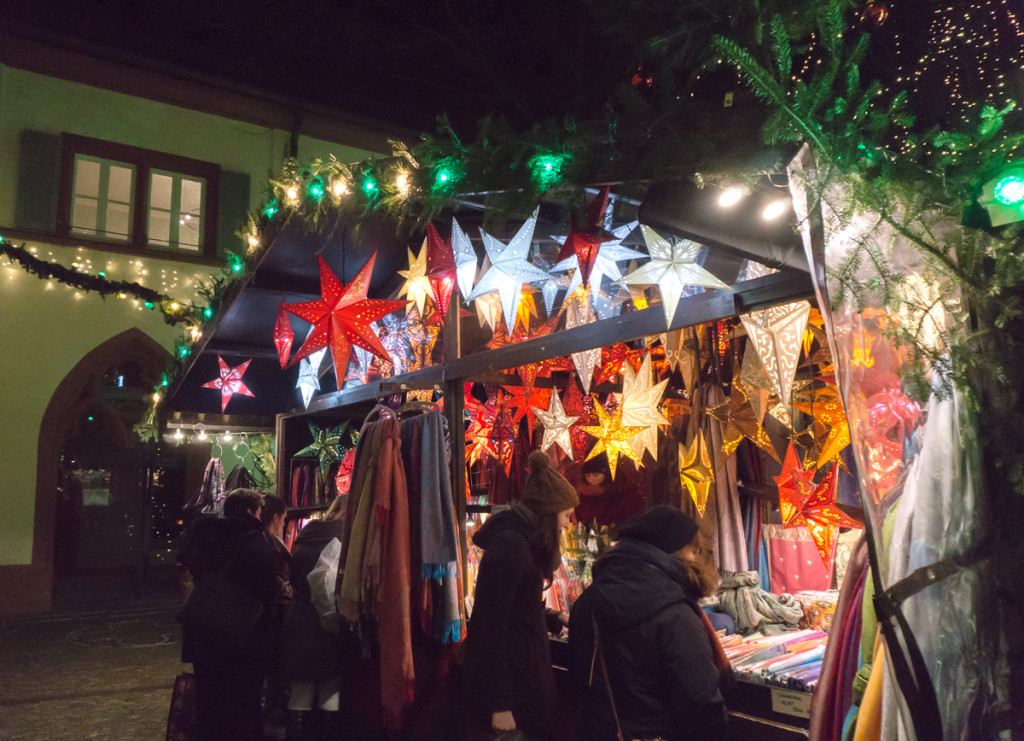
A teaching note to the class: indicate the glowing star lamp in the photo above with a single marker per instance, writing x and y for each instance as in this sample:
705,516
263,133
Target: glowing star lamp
509,269
229,382
1003,197
673,265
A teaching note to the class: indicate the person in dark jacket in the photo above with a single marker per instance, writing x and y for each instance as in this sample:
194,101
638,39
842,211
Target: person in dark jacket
274,515
229,682
663,663
509,680
315,659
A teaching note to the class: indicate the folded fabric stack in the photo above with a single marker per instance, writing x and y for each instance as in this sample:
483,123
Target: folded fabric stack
791,660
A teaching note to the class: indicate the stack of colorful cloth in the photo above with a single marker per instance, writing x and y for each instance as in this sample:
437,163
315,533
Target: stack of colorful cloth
791,660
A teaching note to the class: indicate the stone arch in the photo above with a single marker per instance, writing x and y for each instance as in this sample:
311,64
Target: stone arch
81,391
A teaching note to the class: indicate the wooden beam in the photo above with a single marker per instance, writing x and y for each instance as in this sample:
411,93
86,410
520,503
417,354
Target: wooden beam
712,305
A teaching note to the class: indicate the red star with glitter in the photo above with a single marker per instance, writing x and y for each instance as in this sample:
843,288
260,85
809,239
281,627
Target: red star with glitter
440,270
283,335
584,240
521,400
612,359
342,317
229,382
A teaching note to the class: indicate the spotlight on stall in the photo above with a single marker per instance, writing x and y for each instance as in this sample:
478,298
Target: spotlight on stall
732,196
775,209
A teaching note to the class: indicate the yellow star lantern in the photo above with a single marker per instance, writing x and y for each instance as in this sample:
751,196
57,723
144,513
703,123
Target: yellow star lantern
826,408
739,421
695,472
639,407
612,437
801,502
417,285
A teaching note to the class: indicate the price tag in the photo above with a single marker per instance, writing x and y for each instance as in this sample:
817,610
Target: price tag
791,703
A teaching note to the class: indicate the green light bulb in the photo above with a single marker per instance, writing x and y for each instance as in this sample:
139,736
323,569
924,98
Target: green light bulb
370,186
546,168
149,304
271,209
102,274
316,189
208,312
1009,191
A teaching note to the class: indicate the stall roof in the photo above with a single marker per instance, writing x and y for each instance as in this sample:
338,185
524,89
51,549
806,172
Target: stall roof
288,272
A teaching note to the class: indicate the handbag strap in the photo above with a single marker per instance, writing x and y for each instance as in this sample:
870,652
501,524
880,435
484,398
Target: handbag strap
604,673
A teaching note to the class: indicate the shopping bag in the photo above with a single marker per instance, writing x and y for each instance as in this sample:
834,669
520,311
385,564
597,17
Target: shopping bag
324,584
221,611
181,719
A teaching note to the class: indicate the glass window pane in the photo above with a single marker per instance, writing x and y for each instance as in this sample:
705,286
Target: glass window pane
83,218
191,197
188,233
87,178
160,191
118,220
119,187
159,227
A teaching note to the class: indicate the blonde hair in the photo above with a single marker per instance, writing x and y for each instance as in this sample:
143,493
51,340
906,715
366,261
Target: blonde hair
337,509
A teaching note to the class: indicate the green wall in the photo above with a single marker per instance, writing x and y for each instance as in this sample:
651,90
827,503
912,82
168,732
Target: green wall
47,328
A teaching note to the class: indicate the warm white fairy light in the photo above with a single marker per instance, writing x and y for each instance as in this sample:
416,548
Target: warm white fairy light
970,49
339,188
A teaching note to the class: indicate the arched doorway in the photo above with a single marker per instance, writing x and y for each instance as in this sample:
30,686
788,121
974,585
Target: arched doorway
100,483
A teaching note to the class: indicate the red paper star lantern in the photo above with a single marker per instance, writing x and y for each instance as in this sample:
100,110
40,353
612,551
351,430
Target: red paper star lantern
342,318
803,502
229,382
576,404
585,240
440,270
283,335
613,358
521,400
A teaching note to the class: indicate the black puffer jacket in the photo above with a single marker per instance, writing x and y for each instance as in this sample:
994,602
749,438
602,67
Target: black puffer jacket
657,650
507,658
211,541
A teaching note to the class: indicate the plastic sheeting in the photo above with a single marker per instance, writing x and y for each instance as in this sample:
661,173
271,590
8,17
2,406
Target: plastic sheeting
924,459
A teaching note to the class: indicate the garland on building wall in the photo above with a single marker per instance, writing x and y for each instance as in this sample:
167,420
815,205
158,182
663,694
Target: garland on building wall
173,312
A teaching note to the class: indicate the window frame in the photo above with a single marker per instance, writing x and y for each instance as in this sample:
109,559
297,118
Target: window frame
145,161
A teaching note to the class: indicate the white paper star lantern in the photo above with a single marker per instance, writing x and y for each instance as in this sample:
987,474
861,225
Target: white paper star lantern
672,266
417,285
639,407
556,425
465,260
578,313
509,269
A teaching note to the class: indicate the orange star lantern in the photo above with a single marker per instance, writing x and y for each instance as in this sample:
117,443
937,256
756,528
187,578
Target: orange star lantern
801,502
342,318
739,421
695,473
229,382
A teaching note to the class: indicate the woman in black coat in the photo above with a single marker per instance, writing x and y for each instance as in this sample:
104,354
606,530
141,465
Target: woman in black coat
509,680
664,665
313,657
229,681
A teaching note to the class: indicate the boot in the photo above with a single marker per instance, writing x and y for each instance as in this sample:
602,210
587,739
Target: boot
296,725
330,726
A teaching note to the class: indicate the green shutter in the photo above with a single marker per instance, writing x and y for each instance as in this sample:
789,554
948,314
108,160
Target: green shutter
232,210
38,182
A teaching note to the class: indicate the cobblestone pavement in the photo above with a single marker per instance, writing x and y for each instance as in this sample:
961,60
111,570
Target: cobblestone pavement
103,675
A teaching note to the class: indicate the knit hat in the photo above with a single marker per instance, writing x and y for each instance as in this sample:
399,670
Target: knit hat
664,527
546,492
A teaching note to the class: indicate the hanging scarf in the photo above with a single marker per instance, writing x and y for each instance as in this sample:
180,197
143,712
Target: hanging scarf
392,516
362,506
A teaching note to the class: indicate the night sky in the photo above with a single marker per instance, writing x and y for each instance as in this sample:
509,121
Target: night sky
405,61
